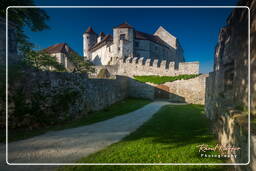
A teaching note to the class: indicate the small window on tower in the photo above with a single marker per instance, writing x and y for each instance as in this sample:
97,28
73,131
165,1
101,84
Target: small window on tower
122,36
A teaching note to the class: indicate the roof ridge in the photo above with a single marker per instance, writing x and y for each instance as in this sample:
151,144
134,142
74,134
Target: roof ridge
89,30
124,25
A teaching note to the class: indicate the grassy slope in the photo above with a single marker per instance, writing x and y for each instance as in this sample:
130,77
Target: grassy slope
171,136
125,106
162,79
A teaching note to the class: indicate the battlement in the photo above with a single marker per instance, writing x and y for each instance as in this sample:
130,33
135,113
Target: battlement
144,66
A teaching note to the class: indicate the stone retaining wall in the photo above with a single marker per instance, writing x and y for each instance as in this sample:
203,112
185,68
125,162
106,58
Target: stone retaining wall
60,96
189,91
192,90
227,87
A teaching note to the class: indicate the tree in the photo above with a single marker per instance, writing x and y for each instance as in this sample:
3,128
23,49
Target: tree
42,60
34,18
81,65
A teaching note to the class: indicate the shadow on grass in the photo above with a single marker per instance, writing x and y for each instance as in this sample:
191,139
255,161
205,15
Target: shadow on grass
170,136
119,108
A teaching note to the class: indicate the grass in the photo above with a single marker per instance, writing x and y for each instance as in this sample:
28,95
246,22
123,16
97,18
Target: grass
170,136
119,108
162,79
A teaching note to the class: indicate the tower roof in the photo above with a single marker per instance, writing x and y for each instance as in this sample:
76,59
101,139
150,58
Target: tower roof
90,30
101,34
124,25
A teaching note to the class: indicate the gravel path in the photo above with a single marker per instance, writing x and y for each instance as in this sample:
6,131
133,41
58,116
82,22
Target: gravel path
69,145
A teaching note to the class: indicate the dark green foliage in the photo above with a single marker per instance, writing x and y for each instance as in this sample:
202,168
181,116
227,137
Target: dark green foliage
253,123
51,122
103,73
170,136
65,99
42,61
34,18
162,79
81,65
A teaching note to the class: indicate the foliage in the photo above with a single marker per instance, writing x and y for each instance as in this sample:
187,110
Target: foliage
15,73
170,136
253,124
119,108
162,79
81,65
42,60
103,73
34,18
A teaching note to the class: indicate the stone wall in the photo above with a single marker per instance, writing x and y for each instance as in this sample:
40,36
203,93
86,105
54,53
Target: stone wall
140,90
55,96
142,66
189,91
227,87
192,90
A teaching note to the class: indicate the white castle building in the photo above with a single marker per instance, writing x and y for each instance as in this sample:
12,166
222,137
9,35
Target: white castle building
126,42
130,52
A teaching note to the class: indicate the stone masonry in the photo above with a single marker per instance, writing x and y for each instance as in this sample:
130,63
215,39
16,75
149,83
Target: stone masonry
227,87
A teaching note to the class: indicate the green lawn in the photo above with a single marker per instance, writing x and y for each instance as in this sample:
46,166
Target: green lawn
170,136
119,108
162,79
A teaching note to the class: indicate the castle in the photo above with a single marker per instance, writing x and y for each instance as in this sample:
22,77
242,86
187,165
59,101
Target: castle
126,42
130,52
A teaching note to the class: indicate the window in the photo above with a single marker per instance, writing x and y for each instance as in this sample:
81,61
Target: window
136,44
122,36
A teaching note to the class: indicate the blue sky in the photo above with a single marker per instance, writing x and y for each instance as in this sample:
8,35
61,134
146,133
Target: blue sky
196,29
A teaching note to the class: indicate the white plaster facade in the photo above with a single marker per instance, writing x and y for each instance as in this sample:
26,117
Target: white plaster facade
128,42
63,59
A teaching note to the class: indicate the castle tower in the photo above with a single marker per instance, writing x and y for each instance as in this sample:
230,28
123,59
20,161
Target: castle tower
89,39
123,36
100,37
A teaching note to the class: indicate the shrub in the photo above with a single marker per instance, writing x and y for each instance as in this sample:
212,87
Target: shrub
103,73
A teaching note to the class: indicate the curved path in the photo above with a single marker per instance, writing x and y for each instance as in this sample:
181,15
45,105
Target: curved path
69,145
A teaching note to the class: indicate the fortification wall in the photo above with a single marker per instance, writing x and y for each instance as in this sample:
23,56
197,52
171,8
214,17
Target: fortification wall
59,96
142,66
192,90
189,91
227,87
140,90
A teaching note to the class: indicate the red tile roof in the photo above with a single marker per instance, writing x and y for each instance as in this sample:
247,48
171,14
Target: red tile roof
124,25
59,48
89,30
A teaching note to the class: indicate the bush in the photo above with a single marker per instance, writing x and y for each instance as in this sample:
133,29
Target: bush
103,73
